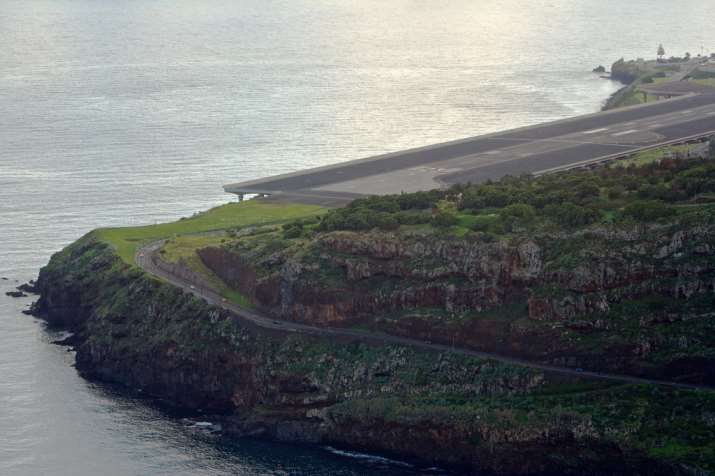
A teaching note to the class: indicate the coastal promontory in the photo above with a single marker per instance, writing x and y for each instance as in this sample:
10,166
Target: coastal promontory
484,328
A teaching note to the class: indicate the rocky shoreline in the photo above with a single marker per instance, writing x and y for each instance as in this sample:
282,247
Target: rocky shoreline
438,409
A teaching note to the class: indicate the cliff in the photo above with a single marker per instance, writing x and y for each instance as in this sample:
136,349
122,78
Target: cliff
613,293
464,413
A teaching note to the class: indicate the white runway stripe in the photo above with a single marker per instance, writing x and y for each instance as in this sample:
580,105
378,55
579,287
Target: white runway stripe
631,131
596,131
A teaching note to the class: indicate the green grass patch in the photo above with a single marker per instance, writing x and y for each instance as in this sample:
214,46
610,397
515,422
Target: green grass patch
706,82
233,215
236,297
183,248
651,156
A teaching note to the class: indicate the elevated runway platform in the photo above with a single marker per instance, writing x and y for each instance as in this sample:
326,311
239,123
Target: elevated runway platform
536,149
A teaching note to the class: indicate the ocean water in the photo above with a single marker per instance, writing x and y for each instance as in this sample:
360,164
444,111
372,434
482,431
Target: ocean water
121,112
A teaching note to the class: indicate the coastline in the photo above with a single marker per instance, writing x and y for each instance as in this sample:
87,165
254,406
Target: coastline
215,365
137,331
612,100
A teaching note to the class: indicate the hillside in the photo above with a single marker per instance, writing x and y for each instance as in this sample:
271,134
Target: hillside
609,269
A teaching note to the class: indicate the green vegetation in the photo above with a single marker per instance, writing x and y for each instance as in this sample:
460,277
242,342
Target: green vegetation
138,328
182,249
672,425
233,215
653,155
706,78
537,264
637,73
385,213
646,188
706,82
632,96
700,74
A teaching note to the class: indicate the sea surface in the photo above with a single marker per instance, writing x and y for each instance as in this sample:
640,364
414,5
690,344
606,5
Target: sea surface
125,112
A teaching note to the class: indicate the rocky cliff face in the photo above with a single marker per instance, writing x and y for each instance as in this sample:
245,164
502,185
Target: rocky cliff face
439,409
536,297
490,273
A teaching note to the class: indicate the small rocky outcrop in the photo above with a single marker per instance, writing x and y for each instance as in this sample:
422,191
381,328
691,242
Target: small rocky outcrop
15,294
29,287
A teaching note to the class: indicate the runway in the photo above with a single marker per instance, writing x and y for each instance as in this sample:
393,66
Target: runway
533,149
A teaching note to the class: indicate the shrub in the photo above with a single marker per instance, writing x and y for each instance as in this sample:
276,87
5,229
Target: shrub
412,217
517,215
654,192
419,200
378,203
445,219
587,190
360,219
630,182
346,219
570,215
696,180
291,232
489,238
557,196
472,200
521,211
494,197
485,223
356,219
386,221
648,210
617,192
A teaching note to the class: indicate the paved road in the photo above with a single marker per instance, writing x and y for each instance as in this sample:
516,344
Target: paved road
526,150
145,256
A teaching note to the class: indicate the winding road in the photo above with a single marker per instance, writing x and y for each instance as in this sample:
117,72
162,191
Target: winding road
146,256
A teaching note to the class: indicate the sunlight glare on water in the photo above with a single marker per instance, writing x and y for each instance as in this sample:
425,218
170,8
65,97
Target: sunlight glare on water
133,111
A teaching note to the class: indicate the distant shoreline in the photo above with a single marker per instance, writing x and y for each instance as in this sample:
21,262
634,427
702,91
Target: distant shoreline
655,79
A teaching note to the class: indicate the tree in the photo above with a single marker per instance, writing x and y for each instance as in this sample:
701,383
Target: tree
495,197
570,215
517,215
292,231
661,51
648,210
521,211
445,219
385,221
586,190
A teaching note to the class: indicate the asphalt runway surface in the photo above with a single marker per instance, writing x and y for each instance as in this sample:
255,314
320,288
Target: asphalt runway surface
526,150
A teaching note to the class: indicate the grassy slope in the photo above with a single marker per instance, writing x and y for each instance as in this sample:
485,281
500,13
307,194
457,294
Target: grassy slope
233,215
183,248
653,155
706,82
